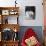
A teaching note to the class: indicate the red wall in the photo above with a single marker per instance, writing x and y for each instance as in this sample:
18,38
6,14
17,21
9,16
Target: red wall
44,20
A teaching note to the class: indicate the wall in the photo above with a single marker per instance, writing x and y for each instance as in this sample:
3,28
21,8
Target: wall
22,21
39,13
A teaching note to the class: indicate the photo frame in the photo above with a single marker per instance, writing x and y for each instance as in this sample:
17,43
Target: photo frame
5,20
5,12
13,12
10,19
9,34
13,20
30,12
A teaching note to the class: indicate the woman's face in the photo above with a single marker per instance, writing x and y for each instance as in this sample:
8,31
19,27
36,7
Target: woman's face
30,14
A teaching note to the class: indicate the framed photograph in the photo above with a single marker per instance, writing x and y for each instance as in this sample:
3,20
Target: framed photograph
13,12
10,19
5,20
5,12
9,34
6,34
30,12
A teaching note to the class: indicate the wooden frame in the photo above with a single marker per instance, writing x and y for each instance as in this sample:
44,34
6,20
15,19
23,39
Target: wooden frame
9,11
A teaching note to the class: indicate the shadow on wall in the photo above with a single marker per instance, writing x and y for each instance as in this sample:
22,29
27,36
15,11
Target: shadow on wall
37,29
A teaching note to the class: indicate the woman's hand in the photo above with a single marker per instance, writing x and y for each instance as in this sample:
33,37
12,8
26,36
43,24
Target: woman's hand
32,41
